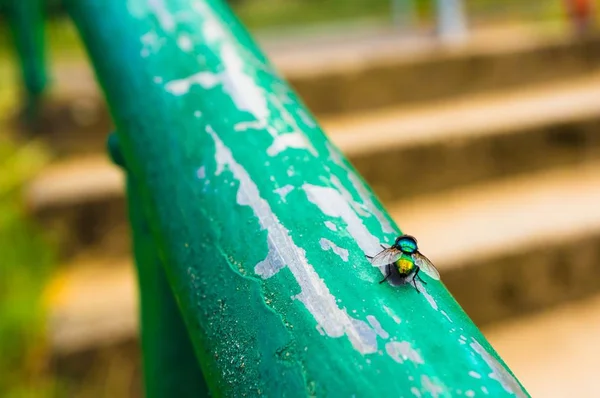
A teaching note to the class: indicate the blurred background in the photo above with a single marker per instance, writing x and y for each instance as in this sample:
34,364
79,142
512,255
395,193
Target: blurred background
490,108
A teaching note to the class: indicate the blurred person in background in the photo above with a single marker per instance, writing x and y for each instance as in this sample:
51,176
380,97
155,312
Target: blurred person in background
581,14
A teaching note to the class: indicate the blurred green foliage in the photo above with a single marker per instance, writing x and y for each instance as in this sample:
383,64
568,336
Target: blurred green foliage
26,259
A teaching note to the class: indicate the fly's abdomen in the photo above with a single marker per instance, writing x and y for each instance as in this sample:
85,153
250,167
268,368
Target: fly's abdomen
405,265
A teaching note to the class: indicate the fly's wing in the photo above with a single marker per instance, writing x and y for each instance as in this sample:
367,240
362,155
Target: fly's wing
386,257
426,266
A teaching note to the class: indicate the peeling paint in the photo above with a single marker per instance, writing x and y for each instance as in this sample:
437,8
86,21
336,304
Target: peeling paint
326,244
401,351
185,43
182,86
285,141
201,173
498,372
331,225
446,315
485,390
283,252
348,197
377,326
432,388
427,296
363,192
283,191
470,393
334,204
474,374
415,391
395,317
165,19
197,114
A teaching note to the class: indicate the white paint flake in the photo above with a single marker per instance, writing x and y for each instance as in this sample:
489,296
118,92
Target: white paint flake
498,372
326,244
401,351
474,374
331,225
377,326
334,204
391,313
427,296
284,190
296,140
348,196
197,114
470,393
283,252
201,173
446,315
484,390
415,391
182,86
165,19
432,388
185,43
362,190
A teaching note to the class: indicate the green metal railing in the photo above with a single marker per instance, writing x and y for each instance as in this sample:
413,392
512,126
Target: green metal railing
250,228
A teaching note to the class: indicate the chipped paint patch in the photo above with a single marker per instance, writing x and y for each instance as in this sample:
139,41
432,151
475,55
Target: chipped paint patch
197,114
348,196
377,326
182,86
284,190
283,252
165,19
201,172
295,140
331,225
363,192
401,351
470,393
395,317
427,296
432,388
446,315
185,43
326,244
415,391
484,390
498,372
474,374
334,204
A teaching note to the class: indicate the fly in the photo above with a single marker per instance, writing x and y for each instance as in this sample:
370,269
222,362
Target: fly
405,258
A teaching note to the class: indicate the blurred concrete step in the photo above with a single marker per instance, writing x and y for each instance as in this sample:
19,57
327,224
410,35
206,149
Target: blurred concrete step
503,250
82,201
555,353
380,70
449,144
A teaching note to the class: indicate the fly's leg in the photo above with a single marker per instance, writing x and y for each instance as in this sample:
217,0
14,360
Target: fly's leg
369,257
388,272
417,276
414,281
383,247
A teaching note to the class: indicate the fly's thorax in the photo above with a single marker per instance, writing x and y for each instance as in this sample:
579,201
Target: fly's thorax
405,264
407,244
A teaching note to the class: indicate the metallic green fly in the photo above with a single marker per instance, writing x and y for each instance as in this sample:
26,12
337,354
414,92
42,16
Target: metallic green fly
404,259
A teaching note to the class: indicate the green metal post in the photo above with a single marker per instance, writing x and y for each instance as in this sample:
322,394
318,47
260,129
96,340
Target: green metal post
170,366
26,22
262,225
